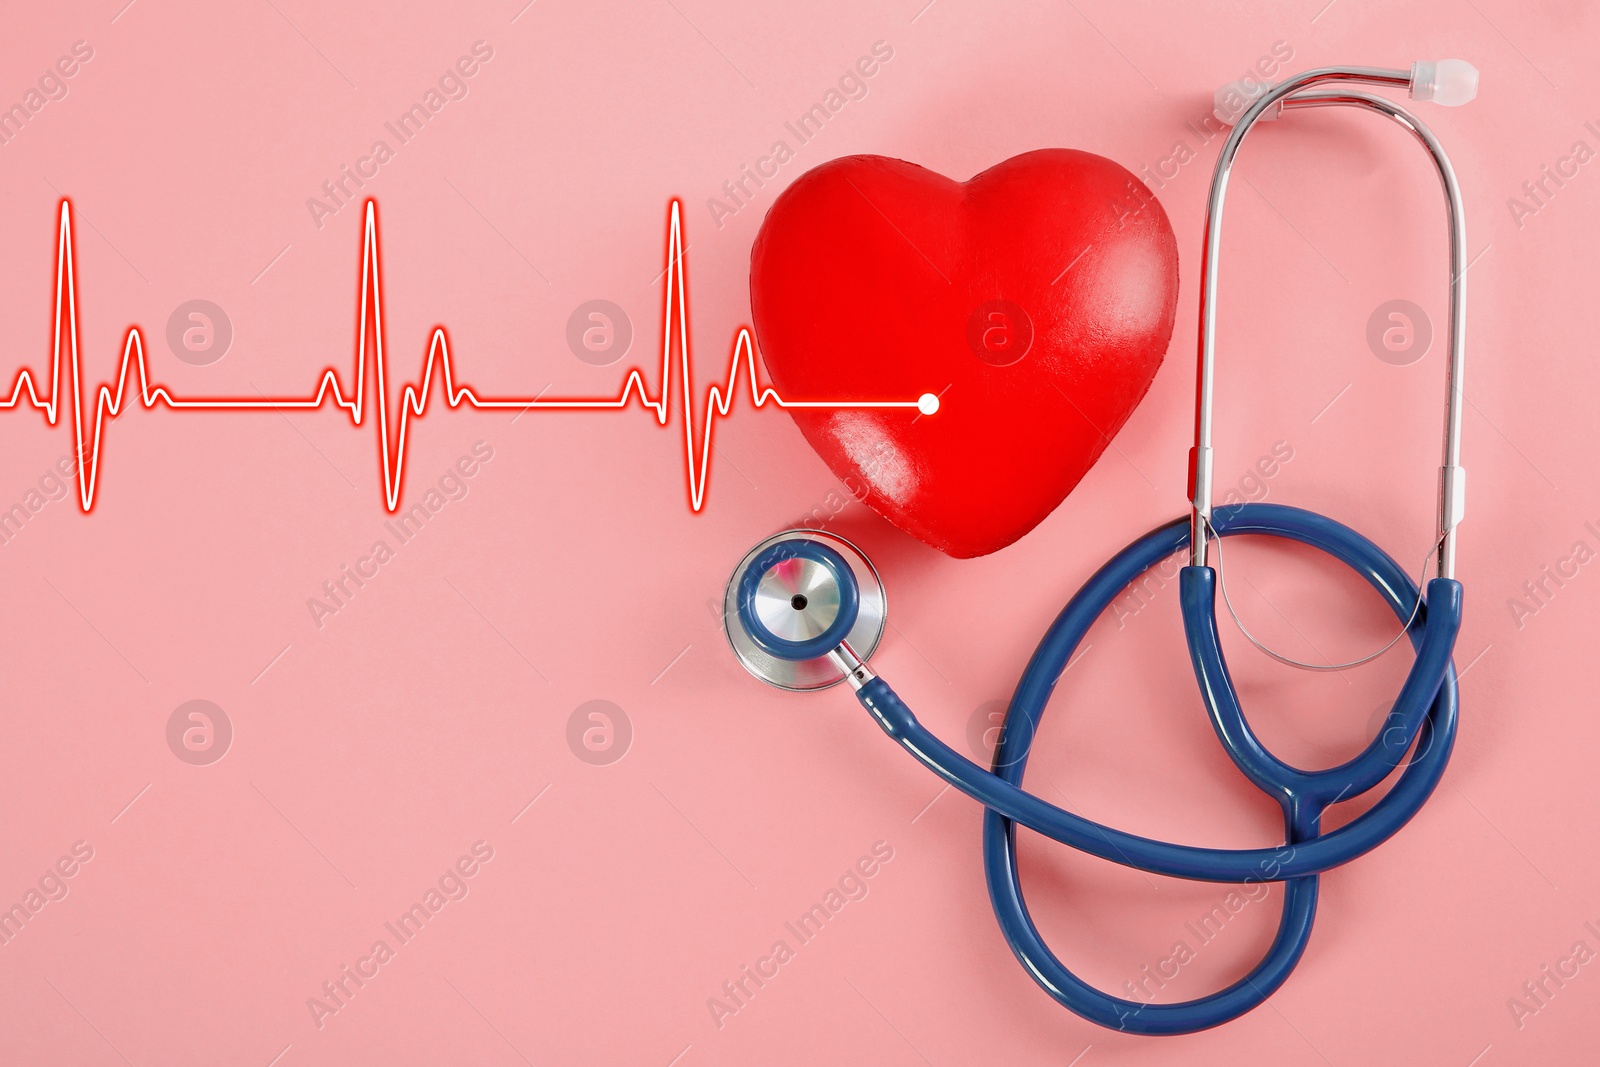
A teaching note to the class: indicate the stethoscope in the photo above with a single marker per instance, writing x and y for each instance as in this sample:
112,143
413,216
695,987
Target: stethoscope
804,610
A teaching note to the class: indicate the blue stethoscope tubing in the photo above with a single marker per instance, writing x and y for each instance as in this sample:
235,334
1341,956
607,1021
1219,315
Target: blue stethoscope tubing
1424,712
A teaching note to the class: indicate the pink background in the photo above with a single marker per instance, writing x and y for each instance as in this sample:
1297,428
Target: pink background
371,753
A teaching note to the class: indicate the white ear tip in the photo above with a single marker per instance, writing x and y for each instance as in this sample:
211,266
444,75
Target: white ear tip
1448,82
1235,98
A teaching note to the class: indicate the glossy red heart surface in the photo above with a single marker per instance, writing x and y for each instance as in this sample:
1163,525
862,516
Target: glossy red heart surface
1035,300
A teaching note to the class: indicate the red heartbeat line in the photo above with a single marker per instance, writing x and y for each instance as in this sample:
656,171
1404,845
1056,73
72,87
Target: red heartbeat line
108,403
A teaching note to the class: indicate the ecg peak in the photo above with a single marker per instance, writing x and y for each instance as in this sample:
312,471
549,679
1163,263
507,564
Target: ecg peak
108,400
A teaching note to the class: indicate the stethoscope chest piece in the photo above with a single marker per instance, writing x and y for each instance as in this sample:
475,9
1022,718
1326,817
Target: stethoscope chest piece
801,590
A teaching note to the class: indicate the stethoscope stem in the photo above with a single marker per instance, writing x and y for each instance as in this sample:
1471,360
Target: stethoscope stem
855,670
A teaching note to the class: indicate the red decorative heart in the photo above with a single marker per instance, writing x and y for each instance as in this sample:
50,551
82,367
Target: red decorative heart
1035,300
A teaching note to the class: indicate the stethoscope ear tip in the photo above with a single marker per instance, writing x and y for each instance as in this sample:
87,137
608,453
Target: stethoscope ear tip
794,598
1234,99
1447,82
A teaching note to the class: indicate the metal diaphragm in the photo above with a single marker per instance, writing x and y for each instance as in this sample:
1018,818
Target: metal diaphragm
798,599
